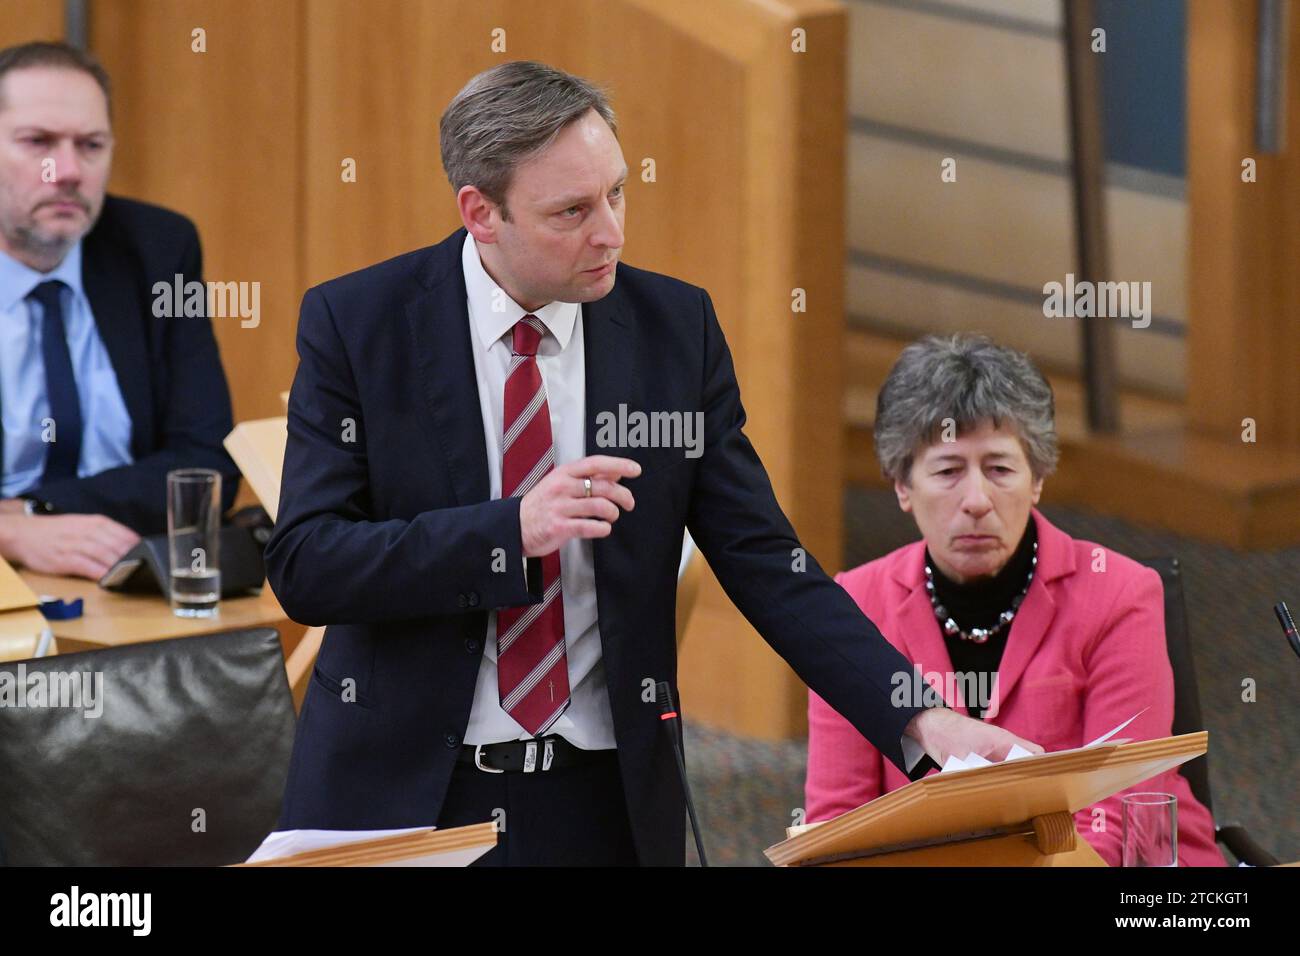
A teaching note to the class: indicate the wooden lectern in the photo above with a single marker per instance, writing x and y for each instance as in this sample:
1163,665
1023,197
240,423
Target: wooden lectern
1016,813
456,846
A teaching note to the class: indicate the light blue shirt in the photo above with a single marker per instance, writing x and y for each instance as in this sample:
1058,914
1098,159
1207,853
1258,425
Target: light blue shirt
106,432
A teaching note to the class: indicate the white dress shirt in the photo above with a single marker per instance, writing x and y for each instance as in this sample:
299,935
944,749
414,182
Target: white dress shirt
24,404
588,721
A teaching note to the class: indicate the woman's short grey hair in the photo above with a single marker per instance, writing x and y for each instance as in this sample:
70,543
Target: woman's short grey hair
506,115
961,382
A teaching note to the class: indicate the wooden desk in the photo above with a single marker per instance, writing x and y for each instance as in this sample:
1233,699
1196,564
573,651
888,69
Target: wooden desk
110,619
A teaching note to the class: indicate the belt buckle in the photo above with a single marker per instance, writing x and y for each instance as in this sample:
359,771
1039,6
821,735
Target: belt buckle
478,760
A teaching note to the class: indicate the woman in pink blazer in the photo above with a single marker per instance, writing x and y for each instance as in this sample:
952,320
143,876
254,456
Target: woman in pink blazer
1011,619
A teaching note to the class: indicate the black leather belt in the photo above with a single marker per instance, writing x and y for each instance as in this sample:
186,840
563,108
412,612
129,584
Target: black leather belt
529,756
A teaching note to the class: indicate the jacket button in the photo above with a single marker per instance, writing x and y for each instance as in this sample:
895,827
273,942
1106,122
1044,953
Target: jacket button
473,599
471,645
461,601
452,740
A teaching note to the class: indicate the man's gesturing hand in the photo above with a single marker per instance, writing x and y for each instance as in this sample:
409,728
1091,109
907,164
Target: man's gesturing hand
944,733
558,508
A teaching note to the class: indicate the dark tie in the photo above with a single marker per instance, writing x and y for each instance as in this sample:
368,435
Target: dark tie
60,385
532,666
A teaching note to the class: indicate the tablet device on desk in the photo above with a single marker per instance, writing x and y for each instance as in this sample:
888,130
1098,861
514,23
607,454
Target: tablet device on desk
144,569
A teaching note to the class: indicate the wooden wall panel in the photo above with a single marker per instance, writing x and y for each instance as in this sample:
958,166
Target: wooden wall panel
983,81
998,227
380,103
1002,224
372,89
917,307
789,177
1245,237
1044,13
958,79
215,135
22,21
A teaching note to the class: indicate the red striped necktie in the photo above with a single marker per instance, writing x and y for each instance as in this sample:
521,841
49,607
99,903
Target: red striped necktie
532,667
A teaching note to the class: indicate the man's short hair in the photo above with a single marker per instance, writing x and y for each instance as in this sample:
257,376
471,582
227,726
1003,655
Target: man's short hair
506,115
58,55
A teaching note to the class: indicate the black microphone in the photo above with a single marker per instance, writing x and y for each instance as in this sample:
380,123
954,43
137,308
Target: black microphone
1288,625
673,723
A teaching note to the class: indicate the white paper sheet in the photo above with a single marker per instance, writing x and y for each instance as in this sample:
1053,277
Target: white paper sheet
955,764
284,843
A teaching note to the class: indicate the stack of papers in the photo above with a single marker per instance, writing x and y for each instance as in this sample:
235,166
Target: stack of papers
413,846
972,761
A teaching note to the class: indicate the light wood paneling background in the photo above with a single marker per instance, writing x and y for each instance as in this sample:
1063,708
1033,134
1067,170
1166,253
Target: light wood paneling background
983,82
1244,345
22,21
215,135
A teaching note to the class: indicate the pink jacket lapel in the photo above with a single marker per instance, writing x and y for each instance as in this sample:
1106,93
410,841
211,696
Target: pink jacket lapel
917,626
923,640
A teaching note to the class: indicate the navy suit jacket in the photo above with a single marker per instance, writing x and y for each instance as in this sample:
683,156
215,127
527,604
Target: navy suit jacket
168,369
388,538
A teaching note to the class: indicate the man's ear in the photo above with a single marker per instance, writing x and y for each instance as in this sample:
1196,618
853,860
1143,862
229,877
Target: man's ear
476,213
904,495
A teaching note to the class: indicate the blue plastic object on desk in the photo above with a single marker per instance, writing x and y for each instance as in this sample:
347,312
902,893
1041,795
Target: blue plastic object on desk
56,609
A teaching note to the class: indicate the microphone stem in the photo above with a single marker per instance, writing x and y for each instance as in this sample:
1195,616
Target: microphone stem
690,804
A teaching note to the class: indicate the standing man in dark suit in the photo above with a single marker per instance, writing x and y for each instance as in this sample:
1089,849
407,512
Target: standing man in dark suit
497,572
100,396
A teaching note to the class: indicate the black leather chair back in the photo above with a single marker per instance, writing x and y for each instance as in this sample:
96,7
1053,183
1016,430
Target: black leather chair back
1187,700
185,762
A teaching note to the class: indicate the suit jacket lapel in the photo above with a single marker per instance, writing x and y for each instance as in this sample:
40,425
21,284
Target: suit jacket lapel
611,378
120,317
438,319
608,362
1055,560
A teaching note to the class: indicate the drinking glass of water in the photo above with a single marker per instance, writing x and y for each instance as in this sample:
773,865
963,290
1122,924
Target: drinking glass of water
193,526
1150,829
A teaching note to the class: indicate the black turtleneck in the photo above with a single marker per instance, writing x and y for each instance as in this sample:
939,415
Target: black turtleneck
978,604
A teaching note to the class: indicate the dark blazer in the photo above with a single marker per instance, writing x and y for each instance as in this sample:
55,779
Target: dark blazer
389,538
168,369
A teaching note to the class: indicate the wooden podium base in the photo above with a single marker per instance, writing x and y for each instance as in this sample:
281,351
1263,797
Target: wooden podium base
1053,841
